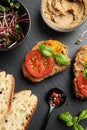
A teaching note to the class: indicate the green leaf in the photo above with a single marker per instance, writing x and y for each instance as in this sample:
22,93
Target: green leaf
70,123
2,8
46,53
17,26
85,64
17,5
78,127
67,117
83,115
9,1
85,73
79,41
12,4
46,50
75,119
61,59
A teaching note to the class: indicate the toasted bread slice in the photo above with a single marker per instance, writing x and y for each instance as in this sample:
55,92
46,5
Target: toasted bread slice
24,104
79,67
56,69
6,91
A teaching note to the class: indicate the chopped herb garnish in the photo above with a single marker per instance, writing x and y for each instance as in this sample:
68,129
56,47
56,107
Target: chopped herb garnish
79,40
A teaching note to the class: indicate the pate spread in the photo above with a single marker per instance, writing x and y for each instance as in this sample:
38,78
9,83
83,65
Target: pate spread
80,61
64,13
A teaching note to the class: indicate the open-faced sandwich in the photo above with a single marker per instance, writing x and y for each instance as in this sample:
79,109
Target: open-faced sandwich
80,73
45,59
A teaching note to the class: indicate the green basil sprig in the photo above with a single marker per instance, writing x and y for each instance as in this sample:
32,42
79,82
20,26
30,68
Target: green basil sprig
61,59
48,52
73,121
85,71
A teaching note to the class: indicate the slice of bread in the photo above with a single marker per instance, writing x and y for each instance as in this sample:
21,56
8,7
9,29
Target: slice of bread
56,69
24,104
79,67
6,91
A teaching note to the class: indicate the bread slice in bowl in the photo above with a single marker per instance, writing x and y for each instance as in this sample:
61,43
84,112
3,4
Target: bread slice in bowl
29,69
24,104
7,83
80,73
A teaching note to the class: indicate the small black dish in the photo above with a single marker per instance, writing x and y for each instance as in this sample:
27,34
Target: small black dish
24,25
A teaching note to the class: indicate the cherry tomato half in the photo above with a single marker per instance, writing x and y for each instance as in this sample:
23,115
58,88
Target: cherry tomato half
56,45
38,65
82,84
85,58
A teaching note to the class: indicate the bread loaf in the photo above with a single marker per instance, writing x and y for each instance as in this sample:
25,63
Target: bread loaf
56,69
79,66
24,104
6,92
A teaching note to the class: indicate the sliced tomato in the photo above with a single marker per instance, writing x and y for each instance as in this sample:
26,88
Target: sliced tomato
82,84
38,65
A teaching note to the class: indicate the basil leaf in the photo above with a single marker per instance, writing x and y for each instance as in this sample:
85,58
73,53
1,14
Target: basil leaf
61,59
86,64
45,47
66,116
78,127
46,50
69,123
83,115
46,53
85,73
75,119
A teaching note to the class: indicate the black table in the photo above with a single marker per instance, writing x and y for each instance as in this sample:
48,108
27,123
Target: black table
11,62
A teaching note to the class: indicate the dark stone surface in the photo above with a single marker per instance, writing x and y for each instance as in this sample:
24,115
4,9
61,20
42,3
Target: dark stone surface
11,62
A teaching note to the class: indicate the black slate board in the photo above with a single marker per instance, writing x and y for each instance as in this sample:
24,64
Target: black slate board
11,62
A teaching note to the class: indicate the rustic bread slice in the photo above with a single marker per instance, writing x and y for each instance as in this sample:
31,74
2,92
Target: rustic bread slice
24,104
79,67
6,91
57,68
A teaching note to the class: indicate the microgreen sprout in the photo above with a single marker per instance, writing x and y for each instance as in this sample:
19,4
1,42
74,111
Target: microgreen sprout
79,40
10,28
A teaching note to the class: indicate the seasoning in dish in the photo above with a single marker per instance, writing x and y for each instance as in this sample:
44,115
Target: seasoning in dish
55,98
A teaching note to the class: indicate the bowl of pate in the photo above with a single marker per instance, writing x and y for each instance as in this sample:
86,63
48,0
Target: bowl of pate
64,15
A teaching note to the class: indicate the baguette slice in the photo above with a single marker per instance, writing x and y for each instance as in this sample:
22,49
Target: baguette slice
57,68
79,67
23,107
6,91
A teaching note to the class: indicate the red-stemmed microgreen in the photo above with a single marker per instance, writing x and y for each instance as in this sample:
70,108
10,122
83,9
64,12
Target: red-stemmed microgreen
10,29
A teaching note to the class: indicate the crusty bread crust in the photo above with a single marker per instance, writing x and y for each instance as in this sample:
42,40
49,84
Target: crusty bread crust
57,68
27,122
7,83
23,107
11,93
78,67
